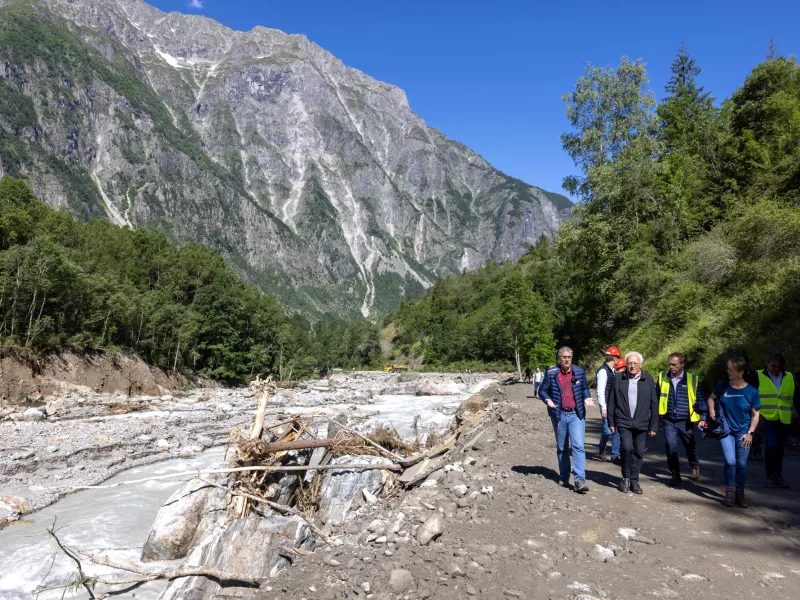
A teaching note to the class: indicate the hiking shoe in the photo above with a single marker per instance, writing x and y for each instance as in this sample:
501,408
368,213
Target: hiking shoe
635,488
739,499
770,481
675,481
730,497
781,482
625,485
563,483
581,487
695,474
604,456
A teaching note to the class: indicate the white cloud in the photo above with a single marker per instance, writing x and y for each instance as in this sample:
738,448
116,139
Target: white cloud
196,4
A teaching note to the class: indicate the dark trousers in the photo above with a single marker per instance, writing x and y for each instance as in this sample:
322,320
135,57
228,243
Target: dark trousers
632,444
676,430
775,434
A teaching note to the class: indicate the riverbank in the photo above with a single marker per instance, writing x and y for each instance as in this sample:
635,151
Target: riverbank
83,438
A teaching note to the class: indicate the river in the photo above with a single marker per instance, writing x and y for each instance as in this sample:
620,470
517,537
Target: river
115,521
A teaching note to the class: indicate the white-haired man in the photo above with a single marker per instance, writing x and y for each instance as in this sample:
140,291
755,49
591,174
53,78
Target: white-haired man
633,411
566,393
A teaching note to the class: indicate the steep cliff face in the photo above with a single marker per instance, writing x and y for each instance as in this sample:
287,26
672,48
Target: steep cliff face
313,179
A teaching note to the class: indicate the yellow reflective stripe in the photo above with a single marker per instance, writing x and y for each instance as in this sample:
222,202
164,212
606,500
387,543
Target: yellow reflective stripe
774,407
788,398
769,395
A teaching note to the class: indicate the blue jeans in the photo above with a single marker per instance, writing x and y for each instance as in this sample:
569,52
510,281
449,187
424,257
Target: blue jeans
570,431
735,459
614,440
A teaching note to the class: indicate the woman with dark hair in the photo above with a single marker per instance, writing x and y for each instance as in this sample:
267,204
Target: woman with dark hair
740,403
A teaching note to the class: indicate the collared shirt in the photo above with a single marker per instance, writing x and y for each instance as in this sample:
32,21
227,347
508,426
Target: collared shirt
538,377
676,380
633,392
567,393
776,379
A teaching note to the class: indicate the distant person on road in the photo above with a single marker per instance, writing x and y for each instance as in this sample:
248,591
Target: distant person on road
605,381
566,393
538,377
778,405
678,393
633,410
527,374
740,403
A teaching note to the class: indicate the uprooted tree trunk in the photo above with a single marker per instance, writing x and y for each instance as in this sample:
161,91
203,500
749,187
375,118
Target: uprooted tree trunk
143,575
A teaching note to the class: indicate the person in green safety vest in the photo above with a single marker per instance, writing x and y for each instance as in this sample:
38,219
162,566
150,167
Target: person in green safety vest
779,400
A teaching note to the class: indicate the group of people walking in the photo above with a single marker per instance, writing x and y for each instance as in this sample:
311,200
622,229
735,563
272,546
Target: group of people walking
746,409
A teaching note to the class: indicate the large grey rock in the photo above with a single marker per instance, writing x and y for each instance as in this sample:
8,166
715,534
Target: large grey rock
341,488
33,414
188,516
430,529
438,387
314,177
401,580
246,547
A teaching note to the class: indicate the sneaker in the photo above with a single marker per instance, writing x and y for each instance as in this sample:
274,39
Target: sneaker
563,483
695,474
770,481
781,483
676,479
625,485
581,487
635,487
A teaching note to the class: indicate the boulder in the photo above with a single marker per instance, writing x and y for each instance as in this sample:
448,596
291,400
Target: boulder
33,414
340,488
188,515
430,529
437,387
15,505
401,580
249,547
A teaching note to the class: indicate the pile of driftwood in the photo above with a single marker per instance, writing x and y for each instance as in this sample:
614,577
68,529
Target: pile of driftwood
259,463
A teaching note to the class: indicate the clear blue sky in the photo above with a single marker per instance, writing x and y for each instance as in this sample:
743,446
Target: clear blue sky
491,74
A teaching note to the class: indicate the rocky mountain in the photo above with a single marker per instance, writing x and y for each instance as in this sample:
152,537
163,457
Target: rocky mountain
316,181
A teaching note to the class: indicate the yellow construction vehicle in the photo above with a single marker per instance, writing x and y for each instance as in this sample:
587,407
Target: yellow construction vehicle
395,369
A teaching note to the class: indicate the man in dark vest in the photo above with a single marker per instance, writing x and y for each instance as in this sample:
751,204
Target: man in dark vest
678,392
605,381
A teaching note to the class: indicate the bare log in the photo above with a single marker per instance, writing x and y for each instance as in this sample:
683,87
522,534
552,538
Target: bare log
258,424
143,575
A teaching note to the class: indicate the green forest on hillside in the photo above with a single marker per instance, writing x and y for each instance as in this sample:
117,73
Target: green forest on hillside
67,284
686,236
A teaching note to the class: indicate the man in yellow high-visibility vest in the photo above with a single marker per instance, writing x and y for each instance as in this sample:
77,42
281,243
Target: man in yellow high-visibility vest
679,390
779,398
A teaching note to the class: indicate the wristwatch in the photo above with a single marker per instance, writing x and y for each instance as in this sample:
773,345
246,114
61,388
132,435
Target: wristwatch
751,433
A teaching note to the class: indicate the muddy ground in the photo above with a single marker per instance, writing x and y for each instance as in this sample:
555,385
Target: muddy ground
510,532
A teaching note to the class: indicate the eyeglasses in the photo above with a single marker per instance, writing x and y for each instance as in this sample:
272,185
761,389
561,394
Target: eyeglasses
634,364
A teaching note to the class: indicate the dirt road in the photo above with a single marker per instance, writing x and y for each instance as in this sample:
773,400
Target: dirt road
515,534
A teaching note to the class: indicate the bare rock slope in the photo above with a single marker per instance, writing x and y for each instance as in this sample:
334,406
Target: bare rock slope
317,181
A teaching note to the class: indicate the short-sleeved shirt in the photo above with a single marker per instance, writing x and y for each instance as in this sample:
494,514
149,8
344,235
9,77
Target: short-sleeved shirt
567,393
738,404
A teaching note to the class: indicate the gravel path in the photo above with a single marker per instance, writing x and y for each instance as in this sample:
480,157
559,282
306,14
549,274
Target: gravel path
510,532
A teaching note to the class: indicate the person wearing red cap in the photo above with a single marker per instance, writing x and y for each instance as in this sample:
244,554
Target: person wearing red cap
605,381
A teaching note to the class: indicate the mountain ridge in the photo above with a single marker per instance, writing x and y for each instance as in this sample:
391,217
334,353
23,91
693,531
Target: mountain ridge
315,180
